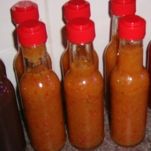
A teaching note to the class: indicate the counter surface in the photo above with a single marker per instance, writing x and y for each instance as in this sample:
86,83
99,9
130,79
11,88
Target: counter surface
109,145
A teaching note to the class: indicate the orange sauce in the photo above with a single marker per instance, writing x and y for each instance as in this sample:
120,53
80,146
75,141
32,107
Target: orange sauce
19,65
41,96
110,58
65,61
84,101
129,95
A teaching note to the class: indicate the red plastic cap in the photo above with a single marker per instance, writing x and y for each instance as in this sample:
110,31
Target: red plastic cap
122,7
132,28
23,11
80,31
32,33
76,8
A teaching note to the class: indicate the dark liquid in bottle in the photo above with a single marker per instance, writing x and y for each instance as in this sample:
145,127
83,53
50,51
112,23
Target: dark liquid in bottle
2,68
11,132
149,69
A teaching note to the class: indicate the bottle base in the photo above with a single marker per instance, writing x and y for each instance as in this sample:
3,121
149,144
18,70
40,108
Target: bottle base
127,145
87,148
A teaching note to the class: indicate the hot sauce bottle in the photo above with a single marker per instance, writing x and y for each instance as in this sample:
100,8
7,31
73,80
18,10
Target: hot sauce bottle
11,131
71,10
40,90
118,8
20,12
2,68
83,86
148,60
23,11
129,84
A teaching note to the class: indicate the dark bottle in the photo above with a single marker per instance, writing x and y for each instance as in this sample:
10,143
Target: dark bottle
149,69
11,132
2,68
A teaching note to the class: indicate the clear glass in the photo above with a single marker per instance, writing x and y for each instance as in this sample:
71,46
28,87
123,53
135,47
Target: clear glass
114,25
129,87
110,56
41,96
19,64
65,60
83,86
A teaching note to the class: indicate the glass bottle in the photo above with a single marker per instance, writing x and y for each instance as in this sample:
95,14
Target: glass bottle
40,90
11,131
2,68
118,8
83,86
129,84
71,10
148,61
20,12
23,11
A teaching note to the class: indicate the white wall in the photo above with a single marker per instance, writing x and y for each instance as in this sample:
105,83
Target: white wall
51,14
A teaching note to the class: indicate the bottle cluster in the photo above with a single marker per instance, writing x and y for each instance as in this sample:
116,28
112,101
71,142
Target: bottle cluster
52,109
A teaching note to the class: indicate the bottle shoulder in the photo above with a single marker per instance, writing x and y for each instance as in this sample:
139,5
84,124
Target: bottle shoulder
149,47
65,56
84,78
18,59
95,55
6,86
91,84
112,46
140,77
2,68
18,55
43,78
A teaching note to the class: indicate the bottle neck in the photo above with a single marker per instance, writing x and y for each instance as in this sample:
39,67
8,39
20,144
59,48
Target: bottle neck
114,26
130,57
16,41
81,55
35,56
